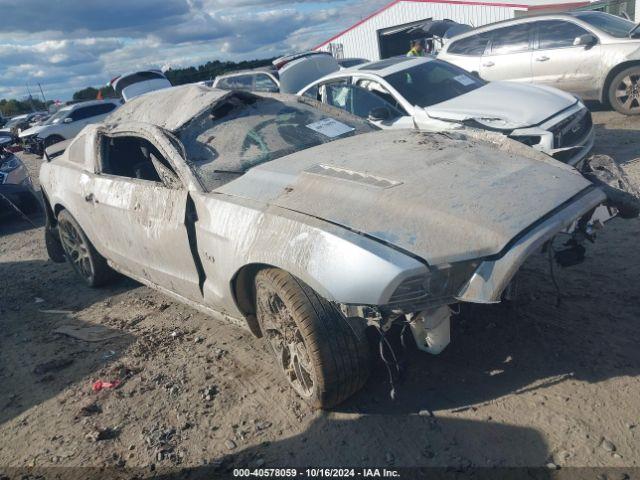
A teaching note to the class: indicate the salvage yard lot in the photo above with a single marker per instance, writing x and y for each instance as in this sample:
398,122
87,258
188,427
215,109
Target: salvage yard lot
546,380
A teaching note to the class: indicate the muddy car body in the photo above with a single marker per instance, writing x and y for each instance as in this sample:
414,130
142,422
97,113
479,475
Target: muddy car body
301,222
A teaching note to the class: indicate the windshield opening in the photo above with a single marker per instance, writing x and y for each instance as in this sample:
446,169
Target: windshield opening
246,130
433,82
615,26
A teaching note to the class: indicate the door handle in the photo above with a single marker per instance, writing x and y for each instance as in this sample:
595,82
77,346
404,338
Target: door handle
542,59
488,64
89,198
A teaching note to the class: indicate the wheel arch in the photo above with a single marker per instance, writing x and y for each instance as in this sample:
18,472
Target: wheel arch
604,93
244,294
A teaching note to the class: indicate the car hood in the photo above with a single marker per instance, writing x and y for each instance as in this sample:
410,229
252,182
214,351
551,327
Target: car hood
32,131
504,105
440,198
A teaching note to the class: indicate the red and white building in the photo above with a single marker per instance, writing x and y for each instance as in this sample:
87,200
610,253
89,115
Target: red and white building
366,39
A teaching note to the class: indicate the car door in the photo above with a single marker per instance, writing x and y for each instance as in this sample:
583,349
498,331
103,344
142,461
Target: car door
559,63
509,54
139,206
370,95
79,118
362,102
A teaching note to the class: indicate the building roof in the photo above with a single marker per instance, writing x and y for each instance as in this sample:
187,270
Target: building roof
520,4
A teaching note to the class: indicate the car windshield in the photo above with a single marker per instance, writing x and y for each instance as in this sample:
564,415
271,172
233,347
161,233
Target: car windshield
432,82
246,130
614,26
56,117
15,121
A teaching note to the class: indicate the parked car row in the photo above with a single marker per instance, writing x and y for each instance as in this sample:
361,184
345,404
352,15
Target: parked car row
16,189
65,124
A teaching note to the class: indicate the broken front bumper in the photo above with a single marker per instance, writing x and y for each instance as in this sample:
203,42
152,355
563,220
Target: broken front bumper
32,144
568,137
493,275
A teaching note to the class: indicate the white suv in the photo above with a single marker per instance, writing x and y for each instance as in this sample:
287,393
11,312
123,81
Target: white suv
592,54
66,123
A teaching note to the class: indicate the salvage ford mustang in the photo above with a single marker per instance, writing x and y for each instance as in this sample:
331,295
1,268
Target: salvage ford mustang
302,222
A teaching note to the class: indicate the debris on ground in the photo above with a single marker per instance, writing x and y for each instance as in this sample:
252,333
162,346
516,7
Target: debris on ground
88,333
101,385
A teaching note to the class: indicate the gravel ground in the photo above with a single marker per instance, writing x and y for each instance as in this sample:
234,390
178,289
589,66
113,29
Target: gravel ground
542,381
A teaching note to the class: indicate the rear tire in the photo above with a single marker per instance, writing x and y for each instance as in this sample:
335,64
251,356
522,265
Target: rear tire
624,91
323,356
80,253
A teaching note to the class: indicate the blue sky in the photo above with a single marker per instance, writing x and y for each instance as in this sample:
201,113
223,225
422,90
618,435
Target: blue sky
66,45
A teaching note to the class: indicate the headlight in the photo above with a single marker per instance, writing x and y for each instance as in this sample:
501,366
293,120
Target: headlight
436,287
10,165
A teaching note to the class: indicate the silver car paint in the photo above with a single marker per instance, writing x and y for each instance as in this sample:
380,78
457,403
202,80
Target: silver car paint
578,70
236,230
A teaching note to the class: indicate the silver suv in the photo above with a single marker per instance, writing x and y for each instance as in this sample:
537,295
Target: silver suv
592,54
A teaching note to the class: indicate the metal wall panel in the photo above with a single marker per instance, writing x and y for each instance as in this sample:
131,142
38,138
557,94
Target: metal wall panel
362,41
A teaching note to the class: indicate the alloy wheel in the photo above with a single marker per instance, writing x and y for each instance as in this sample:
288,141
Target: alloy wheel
287,343
628,92
76,249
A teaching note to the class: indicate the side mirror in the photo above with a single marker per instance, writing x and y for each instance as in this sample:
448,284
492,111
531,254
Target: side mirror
379,114
587,40
67,120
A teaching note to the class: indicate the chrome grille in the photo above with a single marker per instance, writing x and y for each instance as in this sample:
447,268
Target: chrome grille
572,129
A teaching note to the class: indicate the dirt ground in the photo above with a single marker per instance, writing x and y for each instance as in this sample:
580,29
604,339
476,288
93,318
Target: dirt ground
537,383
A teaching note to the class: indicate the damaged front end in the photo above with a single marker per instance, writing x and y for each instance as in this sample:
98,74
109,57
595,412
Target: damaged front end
423,303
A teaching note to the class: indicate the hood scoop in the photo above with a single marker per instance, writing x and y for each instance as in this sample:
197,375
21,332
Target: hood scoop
351,176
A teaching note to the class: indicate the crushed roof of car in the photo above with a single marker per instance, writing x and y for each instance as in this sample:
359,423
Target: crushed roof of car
169,108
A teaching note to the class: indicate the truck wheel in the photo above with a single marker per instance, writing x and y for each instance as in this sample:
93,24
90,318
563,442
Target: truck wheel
624,91
323,356
83,257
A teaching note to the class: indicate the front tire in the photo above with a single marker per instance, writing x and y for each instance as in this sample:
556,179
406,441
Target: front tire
624,91
80,253
324,357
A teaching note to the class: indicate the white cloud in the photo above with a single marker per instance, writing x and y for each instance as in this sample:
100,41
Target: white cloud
67,45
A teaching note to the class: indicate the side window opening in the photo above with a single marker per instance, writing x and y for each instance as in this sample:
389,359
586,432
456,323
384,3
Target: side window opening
135,157
263,83
358,100
513,39
379,90
473,46
238,82
557,34
313,93
80,113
